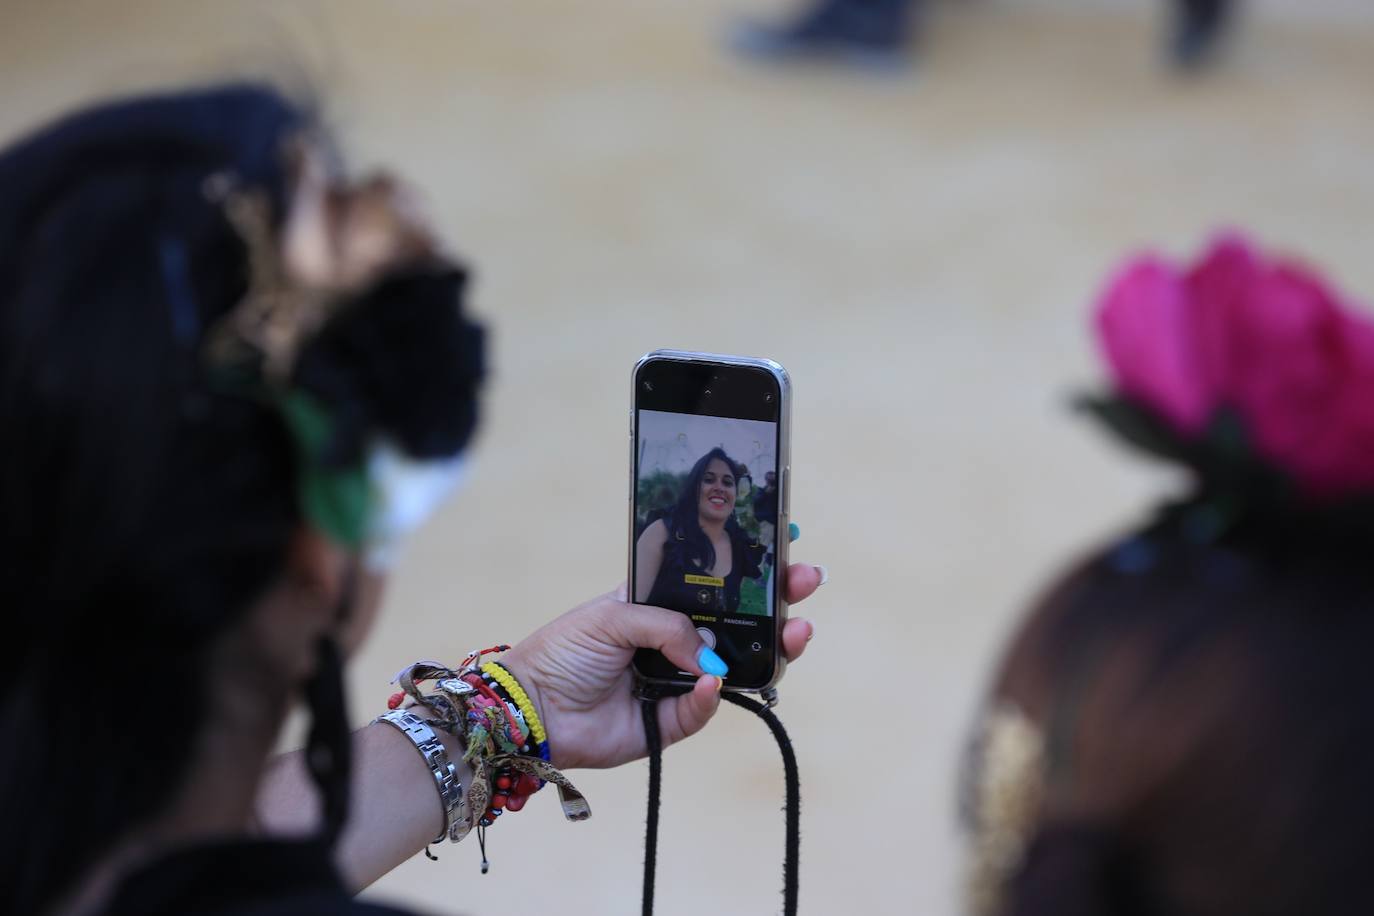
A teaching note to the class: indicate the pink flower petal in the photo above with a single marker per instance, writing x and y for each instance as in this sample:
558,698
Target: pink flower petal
1144,323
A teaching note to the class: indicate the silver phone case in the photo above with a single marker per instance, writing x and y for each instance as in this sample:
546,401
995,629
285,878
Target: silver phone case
768,690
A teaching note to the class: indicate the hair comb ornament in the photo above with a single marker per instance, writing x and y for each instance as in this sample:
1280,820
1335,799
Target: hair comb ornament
335,244
276,315
336,240
1003,798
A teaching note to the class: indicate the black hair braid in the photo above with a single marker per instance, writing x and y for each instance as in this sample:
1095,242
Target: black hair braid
329,743
132,531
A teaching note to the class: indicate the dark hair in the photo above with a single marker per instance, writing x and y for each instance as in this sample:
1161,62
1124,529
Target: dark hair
1207,715
142,508
684,524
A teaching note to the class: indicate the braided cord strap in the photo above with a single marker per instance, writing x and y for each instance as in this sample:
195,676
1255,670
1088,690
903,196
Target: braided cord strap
654,741
649,709
792,780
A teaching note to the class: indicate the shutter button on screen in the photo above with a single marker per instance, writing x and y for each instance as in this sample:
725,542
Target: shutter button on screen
707,636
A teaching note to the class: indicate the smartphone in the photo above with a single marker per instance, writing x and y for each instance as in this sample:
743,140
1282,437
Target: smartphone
709,506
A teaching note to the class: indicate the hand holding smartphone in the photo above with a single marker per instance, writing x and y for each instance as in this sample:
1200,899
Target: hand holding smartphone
709,506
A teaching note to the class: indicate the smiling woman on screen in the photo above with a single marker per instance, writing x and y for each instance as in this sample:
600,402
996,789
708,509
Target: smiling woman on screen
696,557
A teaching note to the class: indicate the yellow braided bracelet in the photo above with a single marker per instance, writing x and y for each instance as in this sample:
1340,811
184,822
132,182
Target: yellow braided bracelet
522,700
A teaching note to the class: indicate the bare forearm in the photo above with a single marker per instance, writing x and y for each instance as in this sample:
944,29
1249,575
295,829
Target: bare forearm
394,808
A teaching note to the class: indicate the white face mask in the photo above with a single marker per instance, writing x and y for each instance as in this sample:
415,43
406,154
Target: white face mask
405,493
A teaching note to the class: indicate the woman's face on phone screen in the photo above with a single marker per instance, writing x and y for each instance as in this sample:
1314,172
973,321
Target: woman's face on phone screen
716,501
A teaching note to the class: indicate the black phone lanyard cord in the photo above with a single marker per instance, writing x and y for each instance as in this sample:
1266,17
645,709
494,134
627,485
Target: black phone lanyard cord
792,853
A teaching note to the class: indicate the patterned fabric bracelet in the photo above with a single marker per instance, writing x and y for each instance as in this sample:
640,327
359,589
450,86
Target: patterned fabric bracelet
507,682
507,729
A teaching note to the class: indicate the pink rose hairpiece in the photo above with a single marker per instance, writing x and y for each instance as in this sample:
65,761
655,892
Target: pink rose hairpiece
1250,370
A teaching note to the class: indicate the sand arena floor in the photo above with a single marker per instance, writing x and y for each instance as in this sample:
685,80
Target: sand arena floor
918,249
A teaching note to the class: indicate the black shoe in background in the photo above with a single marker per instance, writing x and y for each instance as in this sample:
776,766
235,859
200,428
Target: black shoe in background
865,32
1198,31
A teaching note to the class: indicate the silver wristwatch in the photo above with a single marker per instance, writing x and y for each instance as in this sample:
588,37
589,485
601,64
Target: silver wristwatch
456,823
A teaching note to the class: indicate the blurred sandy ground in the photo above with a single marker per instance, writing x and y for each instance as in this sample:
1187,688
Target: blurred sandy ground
918,250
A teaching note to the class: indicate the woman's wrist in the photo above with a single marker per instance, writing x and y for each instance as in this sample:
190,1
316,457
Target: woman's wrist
392,751
443,761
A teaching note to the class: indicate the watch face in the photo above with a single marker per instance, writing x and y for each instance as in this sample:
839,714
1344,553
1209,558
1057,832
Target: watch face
456,687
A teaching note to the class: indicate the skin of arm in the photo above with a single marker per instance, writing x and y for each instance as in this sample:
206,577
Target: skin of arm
576,669
395,807
648,558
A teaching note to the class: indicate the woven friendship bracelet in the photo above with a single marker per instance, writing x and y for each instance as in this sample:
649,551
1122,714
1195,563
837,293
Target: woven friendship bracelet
502,676
446,779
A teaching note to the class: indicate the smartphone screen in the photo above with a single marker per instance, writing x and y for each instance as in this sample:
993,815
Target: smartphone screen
707,507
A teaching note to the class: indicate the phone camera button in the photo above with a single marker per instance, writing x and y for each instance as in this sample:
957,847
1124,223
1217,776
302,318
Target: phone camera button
707,636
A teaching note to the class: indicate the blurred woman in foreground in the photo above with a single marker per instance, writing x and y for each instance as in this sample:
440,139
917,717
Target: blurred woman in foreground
1184,725
231,381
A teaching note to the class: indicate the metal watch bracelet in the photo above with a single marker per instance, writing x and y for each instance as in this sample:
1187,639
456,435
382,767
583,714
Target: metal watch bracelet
446,779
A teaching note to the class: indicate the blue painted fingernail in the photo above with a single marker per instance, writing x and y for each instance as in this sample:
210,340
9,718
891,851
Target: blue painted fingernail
793,531
712,663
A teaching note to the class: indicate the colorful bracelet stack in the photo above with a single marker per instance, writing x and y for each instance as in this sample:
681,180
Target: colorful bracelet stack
484,706
510,790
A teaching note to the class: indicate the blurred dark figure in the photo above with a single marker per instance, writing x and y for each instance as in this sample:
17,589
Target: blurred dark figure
880,32
1183,724
766,511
